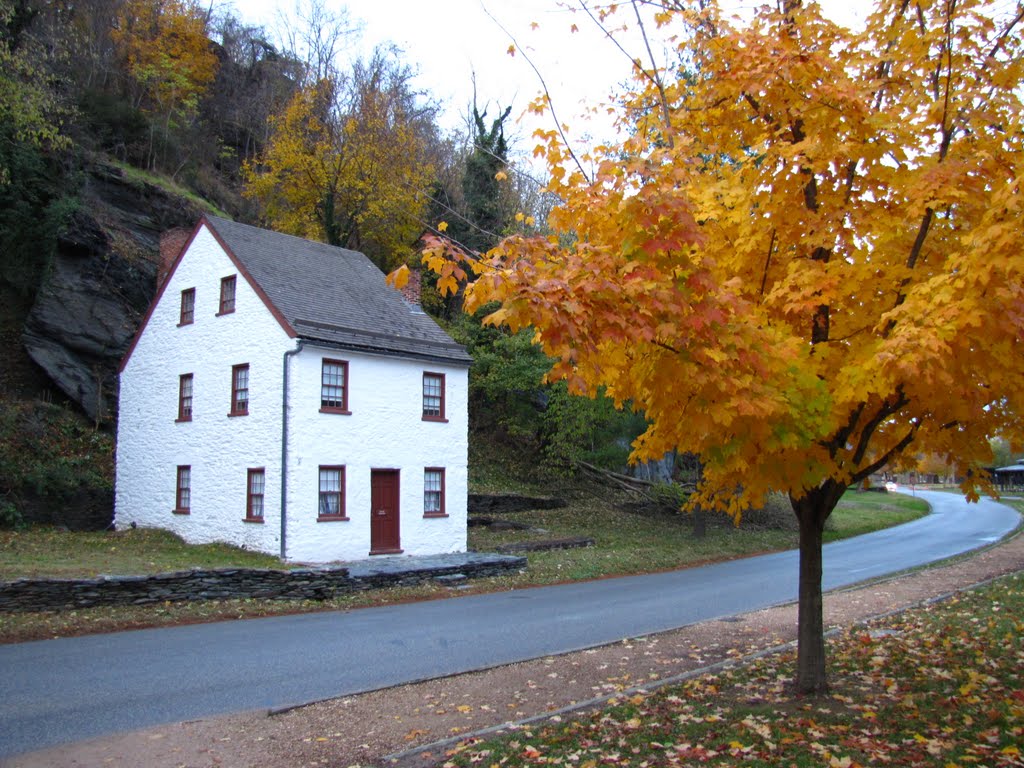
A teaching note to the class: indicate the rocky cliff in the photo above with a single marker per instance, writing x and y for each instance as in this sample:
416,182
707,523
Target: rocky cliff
100,284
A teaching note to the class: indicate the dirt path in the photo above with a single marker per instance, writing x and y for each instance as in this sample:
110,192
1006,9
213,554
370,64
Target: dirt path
365,729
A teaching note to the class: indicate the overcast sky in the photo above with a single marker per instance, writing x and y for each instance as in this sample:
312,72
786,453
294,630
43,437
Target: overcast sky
449,40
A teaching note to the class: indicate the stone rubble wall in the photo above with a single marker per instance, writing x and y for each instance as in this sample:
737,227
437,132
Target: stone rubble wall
228,584
505,503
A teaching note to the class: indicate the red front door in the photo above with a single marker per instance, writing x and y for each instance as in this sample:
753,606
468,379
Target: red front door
384,537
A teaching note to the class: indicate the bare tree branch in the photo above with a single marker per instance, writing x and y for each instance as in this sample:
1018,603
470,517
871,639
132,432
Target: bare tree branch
547,94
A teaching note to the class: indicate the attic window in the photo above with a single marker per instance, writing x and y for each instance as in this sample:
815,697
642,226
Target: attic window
227,295
188,307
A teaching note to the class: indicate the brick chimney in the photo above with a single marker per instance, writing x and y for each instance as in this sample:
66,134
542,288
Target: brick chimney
171,243
411,291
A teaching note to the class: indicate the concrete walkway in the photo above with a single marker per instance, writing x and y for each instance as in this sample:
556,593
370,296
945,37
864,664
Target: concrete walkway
467,563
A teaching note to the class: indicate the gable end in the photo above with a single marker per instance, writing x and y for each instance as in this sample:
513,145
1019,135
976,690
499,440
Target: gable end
285,325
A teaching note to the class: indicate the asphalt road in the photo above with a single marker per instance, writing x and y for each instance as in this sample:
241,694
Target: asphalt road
58,691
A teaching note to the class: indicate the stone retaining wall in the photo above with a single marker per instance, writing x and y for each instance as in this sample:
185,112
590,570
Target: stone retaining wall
504,503
231,583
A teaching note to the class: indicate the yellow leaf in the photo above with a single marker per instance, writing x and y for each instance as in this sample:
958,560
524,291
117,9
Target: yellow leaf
447,285
442,227
500,176
399,278
511,50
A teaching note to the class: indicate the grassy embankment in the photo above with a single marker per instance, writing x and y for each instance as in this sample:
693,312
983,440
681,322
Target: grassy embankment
625,543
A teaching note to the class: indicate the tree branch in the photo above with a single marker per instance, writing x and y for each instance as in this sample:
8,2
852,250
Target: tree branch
767,262
877,465
1004,35
915,250
666,115
842,435
869,429
547,95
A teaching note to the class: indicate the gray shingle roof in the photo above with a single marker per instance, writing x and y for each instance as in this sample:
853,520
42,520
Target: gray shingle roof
334,295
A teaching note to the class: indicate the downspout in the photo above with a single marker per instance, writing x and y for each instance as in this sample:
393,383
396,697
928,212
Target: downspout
284,448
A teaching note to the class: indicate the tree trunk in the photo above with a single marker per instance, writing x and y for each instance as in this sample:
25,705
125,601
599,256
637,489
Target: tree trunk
700,527
812,511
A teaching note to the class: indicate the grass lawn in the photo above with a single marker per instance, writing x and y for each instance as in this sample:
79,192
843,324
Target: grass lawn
940,687
631,543
49,552
625,543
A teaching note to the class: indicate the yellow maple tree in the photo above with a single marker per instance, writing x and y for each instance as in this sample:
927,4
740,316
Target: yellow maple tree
348,163
166,49
806,259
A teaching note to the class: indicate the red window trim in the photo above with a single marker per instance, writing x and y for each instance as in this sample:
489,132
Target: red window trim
192,310
441,418
321,517
235,410
182,416
343,410
442,513
178,508
224,282
249,517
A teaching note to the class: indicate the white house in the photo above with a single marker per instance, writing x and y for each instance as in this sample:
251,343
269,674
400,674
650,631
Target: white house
280,396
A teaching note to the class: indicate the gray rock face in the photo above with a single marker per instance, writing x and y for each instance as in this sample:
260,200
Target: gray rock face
100,285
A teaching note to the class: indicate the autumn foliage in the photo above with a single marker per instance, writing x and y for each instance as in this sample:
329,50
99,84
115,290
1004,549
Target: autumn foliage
165,49
806,257
348,162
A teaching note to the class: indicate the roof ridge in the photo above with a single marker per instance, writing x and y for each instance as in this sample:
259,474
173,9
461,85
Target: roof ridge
337,294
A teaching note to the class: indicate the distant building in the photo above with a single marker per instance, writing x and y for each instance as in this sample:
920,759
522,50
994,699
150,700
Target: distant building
1011,476
280,396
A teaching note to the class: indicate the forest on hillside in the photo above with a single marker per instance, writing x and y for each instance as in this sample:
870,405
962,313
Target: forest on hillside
268,126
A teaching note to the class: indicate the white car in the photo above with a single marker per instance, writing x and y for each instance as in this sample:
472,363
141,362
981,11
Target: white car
891,487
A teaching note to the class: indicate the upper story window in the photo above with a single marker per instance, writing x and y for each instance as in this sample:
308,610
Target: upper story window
433,492
227,295
255,484
185,397
332,493
239,390
334,386
188,307
183,494
433,397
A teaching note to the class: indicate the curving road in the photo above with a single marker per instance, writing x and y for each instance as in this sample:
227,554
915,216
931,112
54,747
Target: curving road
58,691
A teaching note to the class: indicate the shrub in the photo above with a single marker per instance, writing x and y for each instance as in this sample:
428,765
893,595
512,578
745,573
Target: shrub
775,515
48,456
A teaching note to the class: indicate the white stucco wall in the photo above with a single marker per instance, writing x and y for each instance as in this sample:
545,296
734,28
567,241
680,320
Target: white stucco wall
385,430
219,448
